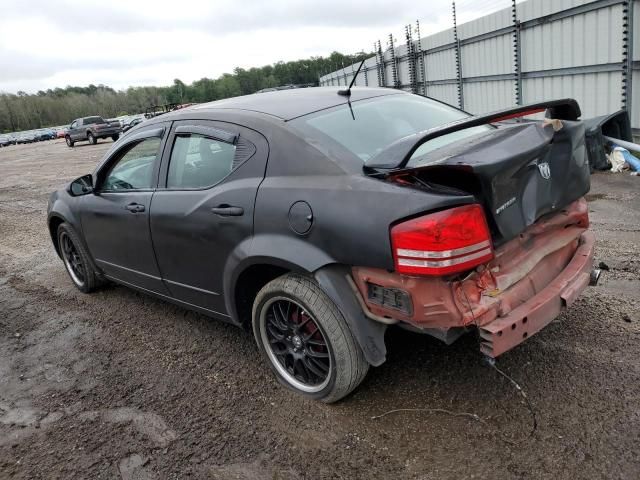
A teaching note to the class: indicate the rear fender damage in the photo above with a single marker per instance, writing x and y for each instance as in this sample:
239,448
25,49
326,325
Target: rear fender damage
518,172
521,270
333,279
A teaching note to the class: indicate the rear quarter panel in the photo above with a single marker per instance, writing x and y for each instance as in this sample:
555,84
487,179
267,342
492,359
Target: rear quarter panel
352,212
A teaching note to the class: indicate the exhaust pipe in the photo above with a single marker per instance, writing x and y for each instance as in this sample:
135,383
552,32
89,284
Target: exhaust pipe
594,277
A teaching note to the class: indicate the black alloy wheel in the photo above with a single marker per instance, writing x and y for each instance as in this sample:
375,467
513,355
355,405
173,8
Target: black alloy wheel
295,344
72,260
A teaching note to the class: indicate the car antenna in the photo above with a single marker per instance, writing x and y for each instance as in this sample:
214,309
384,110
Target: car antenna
347,92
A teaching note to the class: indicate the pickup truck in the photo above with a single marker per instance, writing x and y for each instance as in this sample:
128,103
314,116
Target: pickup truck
91,129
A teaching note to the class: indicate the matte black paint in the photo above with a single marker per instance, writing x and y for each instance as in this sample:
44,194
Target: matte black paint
182,250
506,165
192,242
370,334
398,154
119,240
616,125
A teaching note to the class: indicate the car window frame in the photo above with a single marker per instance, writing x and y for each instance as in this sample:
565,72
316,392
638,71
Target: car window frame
152,131
198,127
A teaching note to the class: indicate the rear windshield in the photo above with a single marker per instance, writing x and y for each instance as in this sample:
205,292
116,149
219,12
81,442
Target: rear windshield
381,121
91,120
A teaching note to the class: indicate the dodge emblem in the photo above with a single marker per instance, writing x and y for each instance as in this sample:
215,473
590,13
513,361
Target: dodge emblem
545,171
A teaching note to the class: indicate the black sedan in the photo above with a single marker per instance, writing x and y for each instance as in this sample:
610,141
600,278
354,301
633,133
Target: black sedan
318,218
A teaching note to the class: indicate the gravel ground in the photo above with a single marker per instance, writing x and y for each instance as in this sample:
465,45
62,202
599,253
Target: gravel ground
117,384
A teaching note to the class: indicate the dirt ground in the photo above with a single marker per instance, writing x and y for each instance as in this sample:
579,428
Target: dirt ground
117,384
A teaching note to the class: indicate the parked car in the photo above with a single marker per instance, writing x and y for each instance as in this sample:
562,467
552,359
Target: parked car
6,140
25,137
61,133
318,219
91,129
44,134
132,123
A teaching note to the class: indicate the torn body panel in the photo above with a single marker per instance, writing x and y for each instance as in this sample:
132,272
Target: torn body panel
519,172
536,268
504,333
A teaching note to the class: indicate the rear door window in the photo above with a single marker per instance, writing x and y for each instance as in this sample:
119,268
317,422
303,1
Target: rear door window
199,162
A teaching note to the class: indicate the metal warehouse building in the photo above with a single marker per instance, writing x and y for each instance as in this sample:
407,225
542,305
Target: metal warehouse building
535,50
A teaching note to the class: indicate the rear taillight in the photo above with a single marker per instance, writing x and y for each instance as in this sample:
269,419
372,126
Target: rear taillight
441,243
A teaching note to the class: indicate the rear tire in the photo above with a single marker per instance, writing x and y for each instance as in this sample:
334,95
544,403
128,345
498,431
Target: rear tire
69,141
76,260
306,340
92,140
115,137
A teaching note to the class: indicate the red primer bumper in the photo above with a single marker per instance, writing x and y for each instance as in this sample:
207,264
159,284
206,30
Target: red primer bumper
506,332
528,283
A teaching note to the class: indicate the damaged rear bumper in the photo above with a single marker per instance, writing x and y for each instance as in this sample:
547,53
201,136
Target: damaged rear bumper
528,283
506,332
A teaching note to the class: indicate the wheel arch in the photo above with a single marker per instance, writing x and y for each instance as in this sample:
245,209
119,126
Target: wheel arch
249,282
264,257
61,212
55,220
245,277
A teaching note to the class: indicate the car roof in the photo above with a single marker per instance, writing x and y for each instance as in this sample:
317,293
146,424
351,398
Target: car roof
293,103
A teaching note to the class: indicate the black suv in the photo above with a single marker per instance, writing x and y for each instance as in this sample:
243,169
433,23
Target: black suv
91,129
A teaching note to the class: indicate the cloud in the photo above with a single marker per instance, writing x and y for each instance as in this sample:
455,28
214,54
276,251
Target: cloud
122,43
220,16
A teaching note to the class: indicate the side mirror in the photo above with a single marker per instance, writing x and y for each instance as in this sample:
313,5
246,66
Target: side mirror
81,186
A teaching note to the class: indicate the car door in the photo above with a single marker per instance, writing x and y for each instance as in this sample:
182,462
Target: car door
203,208
115,219
74,128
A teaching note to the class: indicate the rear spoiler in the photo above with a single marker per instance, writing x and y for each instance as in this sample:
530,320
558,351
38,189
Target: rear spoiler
397,155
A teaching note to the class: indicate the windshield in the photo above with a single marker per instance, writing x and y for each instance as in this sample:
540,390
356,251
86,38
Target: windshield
381,121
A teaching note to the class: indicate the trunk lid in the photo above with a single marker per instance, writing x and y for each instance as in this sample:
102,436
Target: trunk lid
519,172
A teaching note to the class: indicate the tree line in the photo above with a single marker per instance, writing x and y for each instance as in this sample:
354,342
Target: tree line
59,106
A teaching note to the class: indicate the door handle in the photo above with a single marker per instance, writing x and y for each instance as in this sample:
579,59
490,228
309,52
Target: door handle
225,210
135,208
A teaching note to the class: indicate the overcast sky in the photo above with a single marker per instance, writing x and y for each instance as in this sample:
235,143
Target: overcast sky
48,44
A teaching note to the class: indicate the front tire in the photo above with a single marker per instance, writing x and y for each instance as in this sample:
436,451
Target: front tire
69,141
306,340
76,259
92,140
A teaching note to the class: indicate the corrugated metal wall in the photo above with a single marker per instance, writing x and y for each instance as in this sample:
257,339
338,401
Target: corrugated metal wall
568,48
635,112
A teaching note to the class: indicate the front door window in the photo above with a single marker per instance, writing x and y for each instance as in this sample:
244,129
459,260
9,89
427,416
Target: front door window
134,170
